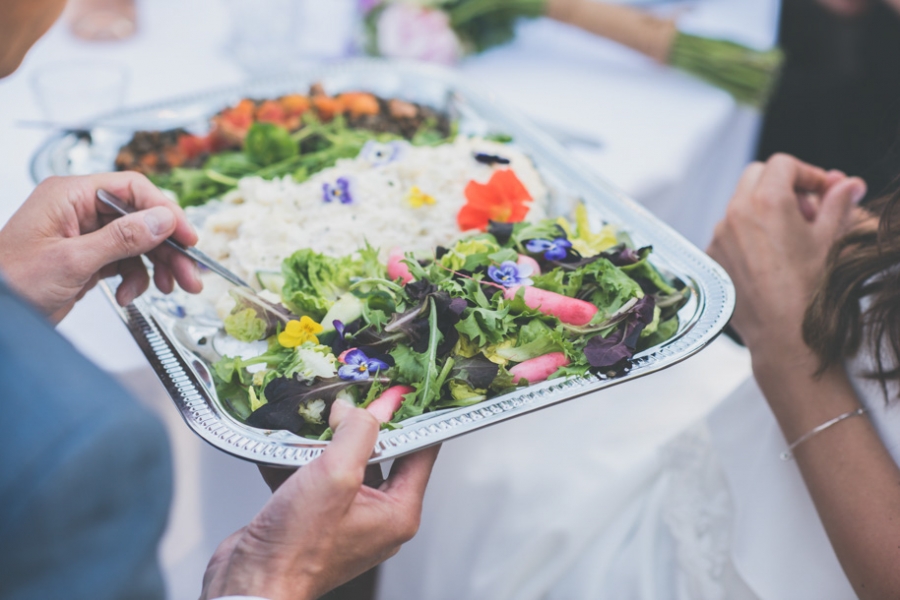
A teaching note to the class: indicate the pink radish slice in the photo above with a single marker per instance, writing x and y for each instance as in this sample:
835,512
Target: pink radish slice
527,260
538,369
569,310
384,406
396,268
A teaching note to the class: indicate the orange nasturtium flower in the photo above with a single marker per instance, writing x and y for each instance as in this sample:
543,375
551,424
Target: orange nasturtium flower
299,332
503,199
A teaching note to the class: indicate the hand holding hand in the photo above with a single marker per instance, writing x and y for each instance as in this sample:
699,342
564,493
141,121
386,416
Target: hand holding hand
322,527
779,227
62,241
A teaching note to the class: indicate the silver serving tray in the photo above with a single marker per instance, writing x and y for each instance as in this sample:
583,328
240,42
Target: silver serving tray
169,338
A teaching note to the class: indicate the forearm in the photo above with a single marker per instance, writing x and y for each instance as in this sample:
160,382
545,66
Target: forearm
851,477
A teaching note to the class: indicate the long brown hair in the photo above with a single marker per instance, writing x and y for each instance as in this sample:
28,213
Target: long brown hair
863,264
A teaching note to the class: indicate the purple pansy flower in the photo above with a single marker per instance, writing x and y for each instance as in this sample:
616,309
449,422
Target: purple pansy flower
509,274
359,367
380,154
338,191
553,250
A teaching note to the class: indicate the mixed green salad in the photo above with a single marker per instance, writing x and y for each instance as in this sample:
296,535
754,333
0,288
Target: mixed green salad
517,304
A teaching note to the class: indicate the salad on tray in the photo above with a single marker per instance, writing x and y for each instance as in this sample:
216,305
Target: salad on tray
400,265
515,305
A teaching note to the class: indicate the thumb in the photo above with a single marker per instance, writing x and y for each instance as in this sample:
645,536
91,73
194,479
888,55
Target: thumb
837,204
127,236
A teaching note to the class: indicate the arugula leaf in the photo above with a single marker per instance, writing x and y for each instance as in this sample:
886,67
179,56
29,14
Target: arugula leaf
478,372
536,339
235,397
606,286
561,281
643,271
664,331
485,326
426,390
411,366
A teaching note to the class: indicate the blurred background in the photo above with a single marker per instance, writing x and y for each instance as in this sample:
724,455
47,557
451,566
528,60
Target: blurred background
667,139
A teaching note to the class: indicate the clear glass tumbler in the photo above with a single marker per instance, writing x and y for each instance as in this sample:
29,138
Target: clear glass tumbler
72,92
101,20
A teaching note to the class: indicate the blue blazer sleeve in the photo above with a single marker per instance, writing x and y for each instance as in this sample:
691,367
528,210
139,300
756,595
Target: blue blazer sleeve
85,472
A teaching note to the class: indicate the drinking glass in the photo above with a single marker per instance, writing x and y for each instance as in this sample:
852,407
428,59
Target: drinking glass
71,92
101,20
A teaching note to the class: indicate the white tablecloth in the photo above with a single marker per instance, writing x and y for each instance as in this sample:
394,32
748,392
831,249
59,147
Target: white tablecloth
670,141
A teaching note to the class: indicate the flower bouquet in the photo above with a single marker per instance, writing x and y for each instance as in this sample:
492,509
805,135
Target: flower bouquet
443,31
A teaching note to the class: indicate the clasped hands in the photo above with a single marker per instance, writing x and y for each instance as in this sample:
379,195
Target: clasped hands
774,242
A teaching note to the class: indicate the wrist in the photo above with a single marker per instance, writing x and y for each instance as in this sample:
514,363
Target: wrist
242,573
778,352
800,395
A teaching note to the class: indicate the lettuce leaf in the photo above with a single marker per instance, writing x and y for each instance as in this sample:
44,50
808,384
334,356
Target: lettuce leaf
244,325
313,281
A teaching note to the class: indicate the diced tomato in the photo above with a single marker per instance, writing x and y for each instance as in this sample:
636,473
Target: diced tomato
327,107
148,162
359,103
194,145
402,110
230,126
175,156
270,111
240,116
294,104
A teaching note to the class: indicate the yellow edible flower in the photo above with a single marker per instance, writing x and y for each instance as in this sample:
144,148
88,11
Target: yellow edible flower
299,332
417,198
585,241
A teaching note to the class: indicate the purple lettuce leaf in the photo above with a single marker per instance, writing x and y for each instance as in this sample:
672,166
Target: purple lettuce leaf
615,350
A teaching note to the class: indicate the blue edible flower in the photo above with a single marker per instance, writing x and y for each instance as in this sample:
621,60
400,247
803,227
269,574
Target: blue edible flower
339,190
553,250
509,274
380,154
359,367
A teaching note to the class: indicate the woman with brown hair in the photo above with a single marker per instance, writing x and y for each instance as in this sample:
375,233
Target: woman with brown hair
790,489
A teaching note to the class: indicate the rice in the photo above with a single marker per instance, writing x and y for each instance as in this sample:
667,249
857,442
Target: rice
259,224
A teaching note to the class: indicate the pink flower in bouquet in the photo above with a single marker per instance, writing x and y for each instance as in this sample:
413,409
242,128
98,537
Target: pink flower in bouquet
407,31
367,5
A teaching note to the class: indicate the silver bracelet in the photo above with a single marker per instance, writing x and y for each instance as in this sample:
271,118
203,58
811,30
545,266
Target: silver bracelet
789,453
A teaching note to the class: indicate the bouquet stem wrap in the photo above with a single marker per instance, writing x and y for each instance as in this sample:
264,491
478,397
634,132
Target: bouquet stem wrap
748,75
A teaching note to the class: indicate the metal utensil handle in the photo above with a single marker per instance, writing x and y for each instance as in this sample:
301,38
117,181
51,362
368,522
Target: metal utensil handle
197,256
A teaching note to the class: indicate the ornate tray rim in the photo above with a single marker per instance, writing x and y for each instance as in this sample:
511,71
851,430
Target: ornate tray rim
186,378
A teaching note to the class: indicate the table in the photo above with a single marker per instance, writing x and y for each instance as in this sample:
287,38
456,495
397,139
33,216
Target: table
669,141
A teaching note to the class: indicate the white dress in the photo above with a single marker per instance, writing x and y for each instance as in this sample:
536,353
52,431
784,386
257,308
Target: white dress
725,517
715,514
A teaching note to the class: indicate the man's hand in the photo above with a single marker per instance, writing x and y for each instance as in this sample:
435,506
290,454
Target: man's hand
62,241
774,241
322,527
